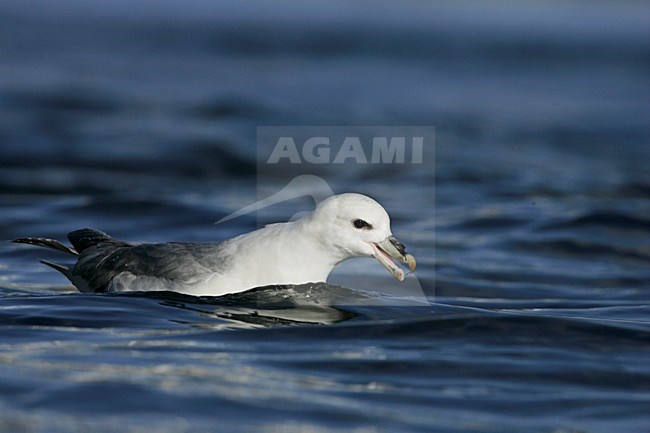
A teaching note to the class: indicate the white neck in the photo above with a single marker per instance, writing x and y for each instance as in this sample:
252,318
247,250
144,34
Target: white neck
285,253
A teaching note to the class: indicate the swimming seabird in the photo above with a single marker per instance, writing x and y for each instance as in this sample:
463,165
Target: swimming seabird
306,250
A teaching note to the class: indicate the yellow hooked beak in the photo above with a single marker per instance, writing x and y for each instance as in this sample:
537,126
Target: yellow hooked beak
388,249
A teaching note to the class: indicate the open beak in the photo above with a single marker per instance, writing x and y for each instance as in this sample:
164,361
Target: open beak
388,249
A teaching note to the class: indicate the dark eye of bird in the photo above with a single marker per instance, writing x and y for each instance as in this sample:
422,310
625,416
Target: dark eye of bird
361,224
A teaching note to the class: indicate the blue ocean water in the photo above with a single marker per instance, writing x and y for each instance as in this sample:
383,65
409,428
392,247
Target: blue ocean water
530,223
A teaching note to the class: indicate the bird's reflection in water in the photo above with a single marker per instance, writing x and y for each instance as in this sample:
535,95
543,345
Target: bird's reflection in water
265,306
299,314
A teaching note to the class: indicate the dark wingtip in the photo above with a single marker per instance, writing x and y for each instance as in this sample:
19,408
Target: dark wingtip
47,243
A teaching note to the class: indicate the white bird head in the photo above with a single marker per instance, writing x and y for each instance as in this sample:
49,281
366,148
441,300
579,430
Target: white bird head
358,226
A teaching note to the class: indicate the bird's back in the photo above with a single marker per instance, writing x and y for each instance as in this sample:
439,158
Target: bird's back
104,263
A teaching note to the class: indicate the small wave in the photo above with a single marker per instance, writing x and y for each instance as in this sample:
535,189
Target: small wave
601,219
70,101
496,222
582,249
231,107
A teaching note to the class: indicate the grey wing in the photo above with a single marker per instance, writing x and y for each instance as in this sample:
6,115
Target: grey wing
164,264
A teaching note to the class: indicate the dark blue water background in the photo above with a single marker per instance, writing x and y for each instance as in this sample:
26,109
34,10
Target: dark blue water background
139,118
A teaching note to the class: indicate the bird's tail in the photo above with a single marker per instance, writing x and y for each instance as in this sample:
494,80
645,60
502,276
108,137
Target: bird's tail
65,270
